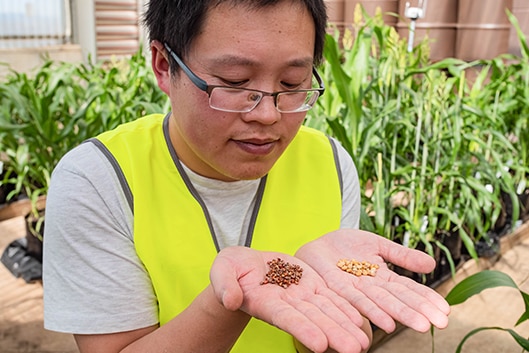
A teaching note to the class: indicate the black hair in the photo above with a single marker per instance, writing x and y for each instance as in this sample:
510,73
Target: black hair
178,22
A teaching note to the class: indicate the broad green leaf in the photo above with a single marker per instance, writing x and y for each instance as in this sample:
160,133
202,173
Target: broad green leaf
523,342
476,283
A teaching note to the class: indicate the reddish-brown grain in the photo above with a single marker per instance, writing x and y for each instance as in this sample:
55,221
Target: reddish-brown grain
282,273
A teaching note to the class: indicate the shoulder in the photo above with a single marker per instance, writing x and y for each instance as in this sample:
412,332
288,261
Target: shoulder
132,130
85,159
347,164
85,176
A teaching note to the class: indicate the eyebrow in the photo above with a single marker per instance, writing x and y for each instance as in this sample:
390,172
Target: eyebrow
234,60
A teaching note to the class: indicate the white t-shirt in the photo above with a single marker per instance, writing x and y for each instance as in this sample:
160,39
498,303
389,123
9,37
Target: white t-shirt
93,280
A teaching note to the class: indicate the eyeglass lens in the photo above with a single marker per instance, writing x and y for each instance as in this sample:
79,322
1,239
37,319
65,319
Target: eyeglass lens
239,100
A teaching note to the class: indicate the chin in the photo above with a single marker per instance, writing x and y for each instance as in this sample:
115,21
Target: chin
247,176
250,174
246,170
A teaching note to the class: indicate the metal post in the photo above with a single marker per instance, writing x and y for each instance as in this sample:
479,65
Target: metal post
414,13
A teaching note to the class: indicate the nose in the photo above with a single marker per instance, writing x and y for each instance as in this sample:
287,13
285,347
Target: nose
265,112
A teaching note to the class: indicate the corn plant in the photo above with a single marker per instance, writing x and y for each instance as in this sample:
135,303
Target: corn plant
518,120
477,283
48,112
508,94
434,151
38,118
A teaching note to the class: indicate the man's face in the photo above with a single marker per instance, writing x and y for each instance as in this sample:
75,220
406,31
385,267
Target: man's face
269,49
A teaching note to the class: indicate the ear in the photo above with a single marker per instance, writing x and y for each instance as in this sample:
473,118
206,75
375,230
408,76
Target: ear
160,66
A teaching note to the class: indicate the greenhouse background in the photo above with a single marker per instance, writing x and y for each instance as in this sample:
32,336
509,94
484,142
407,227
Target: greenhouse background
76,30
88,32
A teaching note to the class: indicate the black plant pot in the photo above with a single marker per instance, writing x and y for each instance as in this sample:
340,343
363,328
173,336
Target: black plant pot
5,190
489,246
452,241
504,221
23,257
524,205
8,190
35,235
16,259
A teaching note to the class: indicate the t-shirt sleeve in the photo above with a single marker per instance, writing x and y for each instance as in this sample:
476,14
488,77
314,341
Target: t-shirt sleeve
351,200
93,280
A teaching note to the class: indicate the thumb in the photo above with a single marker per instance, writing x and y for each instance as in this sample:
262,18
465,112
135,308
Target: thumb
224,280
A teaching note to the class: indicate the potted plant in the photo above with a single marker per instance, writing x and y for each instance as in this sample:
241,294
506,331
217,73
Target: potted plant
48,112
431,146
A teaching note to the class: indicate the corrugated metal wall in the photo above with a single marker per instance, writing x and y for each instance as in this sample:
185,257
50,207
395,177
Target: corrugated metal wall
117,28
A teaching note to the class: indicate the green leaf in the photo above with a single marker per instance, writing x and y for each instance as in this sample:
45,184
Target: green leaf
523,342
521,36
525,315
476,283
479,282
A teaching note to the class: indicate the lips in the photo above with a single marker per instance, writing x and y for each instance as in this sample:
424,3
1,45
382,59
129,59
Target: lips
257,146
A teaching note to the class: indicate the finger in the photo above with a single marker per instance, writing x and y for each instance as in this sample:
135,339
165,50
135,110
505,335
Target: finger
407,302
224,280
422,299
344,307
337,337
410,259
420,305
390,303
427,292
340,311
346,288
297,324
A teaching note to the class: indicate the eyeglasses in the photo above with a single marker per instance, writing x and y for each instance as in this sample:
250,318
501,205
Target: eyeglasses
244,100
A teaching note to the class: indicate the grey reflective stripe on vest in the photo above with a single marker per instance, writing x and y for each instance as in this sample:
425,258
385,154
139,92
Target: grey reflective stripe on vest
117,169
199,199
188,183
337,164
130,198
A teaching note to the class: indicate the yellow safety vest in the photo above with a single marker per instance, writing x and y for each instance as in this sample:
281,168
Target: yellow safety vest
173,237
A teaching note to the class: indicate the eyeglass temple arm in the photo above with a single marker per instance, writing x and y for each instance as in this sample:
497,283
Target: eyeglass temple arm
319,80
203,85
200,83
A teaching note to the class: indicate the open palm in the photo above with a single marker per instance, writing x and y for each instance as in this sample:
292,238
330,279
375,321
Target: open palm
387,296
309,311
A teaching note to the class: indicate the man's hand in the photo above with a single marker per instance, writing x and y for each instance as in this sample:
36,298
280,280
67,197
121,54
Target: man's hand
386,296
309,311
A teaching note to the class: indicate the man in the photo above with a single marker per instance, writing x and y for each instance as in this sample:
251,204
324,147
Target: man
159,234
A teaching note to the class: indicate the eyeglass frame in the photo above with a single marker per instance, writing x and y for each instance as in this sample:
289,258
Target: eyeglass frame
204,86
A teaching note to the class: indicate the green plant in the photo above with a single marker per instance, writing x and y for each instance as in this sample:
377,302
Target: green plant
517,121
48,112
475,284
434,150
